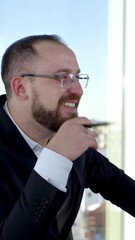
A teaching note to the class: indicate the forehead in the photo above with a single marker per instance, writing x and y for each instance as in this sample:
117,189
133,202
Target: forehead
55,56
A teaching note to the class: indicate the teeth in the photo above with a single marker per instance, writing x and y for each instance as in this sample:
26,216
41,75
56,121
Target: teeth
71,105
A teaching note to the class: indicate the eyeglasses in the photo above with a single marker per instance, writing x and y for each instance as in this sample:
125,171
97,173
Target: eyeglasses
66,80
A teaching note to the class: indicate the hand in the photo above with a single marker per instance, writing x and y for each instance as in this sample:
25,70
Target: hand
73,138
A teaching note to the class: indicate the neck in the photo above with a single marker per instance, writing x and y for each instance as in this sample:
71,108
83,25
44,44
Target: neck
29,126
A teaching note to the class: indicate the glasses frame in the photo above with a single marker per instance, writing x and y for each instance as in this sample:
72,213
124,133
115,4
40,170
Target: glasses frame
60,77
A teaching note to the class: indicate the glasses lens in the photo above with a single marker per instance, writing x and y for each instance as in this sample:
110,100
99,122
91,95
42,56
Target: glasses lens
69,79
83,80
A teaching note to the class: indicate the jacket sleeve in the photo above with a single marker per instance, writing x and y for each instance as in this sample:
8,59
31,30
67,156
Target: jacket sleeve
34,211
111,182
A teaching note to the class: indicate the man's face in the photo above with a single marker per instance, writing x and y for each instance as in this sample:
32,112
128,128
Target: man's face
51,104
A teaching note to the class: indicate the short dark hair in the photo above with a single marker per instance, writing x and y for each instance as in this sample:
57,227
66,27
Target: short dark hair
18,53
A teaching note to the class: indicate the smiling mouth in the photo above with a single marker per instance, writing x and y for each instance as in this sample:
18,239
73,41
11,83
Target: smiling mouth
70,104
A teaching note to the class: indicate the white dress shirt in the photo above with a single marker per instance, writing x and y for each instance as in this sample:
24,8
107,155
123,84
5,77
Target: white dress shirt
50,165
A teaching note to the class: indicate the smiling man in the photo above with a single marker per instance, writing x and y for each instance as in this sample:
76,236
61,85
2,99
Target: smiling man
47,154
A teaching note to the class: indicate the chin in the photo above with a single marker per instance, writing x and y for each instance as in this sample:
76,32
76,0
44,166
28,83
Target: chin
70,116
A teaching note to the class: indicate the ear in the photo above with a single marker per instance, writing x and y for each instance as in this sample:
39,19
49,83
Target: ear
18,86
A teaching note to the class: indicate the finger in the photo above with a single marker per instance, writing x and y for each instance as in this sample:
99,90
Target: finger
91,132
93,142
81,120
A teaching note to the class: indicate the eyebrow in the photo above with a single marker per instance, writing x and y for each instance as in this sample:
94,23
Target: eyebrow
65,70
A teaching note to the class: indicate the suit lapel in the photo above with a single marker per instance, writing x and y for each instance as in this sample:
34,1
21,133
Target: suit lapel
14,140
71,205
79,165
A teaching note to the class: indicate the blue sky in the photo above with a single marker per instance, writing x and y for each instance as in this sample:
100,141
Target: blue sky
81,23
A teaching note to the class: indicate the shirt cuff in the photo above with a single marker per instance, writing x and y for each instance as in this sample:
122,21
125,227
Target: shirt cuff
54,168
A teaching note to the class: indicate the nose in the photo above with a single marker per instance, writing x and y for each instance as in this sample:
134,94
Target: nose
76,88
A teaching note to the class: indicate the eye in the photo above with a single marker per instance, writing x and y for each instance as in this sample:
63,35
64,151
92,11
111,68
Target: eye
65,76
77,76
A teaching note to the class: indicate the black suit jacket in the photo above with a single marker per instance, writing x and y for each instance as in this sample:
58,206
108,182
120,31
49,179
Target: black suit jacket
30,206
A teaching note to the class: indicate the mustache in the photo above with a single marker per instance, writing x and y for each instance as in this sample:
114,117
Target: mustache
69,97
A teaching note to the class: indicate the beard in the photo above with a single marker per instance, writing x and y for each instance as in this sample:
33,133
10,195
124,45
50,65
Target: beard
51,120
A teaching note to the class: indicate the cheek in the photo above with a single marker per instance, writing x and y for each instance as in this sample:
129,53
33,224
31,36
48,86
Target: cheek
49,94
50,98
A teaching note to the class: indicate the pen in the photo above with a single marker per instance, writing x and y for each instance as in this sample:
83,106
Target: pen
97,124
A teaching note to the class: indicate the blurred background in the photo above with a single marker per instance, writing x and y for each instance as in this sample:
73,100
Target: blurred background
102,34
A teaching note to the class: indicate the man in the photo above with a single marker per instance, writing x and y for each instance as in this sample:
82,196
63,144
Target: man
47,154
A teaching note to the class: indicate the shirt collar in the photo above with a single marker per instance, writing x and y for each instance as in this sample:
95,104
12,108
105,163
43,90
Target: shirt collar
33,145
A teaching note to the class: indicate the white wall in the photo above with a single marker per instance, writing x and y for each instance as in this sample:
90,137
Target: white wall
129,83
121,86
